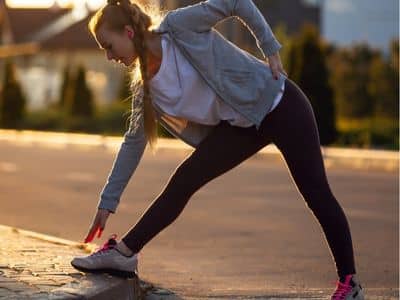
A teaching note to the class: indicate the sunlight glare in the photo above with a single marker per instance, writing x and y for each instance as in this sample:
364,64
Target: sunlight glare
79,11
64,3
95,4
91,4
29,3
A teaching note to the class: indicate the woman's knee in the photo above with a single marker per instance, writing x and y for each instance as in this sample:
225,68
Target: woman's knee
186,178
318,197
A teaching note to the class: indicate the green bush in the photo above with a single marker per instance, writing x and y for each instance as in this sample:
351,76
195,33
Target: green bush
80,124
378,133
47,119
364,138
113,118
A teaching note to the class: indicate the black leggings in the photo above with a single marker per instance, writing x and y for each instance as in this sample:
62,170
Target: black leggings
291,126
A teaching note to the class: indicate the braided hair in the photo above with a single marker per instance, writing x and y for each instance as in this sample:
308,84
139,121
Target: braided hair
116,14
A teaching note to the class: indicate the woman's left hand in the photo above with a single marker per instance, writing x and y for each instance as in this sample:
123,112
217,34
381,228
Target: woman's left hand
275,64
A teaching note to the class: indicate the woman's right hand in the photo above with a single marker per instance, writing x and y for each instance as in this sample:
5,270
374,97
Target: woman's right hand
98,224
275,64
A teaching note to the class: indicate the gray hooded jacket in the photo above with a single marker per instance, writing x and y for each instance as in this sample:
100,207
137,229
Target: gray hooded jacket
238,78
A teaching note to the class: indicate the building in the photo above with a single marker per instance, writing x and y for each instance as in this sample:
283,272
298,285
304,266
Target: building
63,41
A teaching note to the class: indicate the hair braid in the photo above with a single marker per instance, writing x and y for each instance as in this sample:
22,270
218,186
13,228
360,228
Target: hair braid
141,23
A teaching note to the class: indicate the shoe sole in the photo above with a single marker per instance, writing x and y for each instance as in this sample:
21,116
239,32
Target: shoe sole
114,272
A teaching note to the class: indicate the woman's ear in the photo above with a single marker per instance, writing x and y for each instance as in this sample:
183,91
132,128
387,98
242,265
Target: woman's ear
129,31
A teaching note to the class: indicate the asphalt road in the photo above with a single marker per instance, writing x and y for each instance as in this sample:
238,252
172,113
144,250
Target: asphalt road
247,233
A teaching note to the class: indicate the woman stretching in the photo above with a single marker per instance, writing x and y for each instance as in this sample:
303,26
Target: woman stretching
224,102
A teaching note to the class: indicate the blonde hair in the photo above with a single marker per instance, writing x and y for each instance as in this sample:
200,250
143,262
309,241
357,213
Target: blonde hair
115,15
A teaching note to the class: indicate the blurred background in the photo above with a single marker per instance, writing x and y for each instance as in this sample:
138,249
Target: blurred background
344,54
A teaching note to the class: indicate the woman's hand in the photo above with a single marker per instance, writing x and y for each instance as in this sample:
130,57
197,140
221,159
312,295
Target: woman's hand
275,64
98,224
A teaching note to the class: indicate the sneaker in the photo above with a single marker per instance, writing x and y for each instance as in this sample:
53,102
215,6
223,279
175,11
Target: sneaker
108,259
350,289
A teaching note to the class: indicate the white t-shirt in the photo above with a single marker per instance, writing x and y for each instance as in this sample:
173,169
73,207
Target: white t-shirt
180,91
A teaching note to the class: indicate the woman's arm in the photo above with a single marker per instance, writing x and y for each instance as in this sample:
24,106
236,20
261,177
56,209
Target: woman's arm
127,159
205,15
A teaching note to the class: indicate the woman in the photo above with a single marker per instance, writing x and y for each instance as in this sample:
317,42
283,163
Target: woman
216,97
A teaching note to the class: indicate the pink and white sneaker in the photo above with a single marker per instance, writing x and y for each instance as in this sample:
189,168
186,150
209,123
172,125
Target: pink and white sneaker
350,289
108,259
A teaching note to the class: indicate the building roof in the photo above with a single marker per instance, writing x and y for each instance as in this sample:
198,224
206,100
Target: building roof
25,24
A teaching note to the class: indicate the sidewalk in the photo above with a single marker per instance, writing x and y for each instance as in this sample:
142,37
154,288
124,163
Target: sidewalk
334,157
37,266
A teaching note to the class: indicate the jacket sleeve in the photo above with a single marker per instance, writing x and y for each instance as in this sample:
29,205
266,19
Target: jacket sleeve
125,163
205,15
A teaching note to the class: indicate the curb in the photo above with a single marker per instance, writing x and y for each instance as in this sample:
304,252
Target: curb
19,281
88,248
365,159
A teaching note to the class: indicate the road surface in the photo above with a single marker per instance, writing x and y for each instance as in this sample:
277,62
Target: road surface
247,233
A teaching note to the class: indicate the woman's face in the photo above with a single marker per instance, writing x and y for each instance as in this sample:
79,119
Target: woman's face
117,45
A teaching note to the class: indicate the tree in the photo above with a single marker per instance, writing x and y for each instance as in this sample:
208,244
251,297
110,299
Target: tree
394,55
383,88
283,37
350,69
12,100
307,67
80,101
66,87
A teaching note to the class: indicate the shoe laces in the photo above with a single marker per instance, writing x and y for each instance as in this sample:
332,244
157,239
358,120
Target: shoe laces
342,290
110,244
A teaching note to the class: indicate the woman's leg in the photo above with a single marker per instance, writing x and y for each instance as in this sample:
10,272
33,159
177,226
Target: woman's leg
293,129
224,148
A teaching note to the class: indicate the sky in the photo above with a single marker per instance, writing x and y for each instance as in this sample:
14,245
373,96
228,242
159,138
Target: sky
347,21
